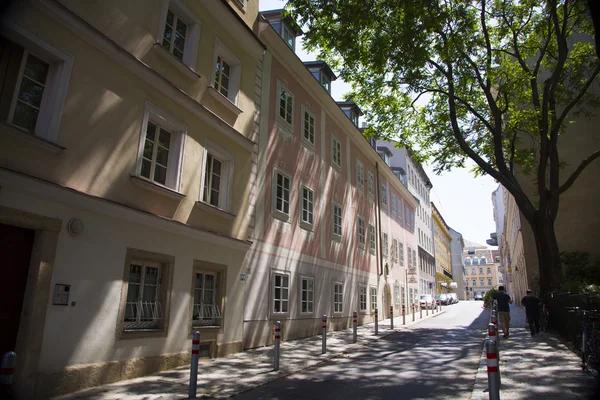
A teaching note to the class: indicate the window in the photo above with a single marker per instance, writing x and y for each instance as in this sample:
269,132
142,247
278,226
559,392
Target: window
286,105
397,293
400,211
474,282
362,298
468,261
489,281
361,232
336,152
326,82
481,271
373,298
472,271
370,184
410,258
281,195
372,238
35,76
180,32
482,261
206,310
385,245
227,75
360,175
393,202
281,293
337,221
218,175
288,36
338,289
480,281
306,207
308,127
161,148
401,253
143,309
489,270
307,295
475,261
383,195
395,249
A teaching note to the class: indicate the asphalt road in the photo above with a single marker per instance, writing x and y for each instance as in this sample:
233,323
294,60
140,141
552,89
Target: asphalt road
436,359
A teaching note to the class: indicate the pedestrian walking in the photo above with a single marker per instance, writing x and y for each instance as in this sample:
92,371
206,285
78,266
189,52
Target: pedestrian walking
504,301
532,310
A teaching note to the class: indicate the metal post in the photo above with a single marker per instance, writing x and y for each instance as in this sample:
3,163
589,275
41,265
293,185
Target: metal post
494,319
391,317
493,369
403,315
413,310
324,334
421,312
194,365
277,342
376,322
7,370
354,327
427,311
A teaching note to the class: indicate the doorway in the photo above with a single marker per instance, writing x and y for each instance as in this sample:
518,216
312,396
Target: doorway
387,300
15,246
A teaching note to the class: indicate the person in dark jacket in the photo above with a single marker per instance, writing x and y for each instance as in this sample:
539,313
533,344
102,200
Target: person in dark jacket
504,301
532,310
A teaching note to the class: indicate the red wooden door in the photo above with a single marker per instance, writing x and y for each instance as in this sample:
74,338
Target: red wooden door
15,253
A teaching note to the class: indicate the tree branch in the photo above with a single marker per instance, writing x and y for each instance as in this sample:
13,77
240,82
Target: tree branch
565,186
579,96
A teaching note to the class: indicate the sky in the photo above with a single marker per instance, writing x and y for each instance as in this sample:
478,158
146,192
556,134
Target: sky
464,201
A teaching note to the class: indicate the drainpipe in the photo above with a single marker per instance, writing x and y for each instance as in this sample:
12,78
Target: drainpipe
379,218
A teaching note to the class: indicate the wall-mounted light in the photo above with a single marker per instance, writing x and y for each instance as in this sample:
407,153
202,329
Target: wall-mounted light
75,226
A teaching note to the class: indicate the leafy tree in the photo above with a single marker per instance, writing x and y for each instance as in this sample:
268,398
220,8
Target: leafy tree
496,81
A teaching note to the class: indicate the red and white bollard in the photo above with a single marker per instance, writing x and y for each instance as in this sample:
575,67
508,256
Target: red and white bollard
391,317
494,319
194,365
376,322
7,370
277,345
403,314
354,327
324,334
493,370
493,332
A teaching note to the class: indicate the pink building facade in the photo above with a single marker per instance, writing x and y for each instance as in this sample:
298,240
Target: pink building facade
334,227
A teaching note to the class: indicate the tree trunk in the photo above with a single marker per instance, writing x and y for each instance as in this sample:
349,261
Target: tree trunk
551,274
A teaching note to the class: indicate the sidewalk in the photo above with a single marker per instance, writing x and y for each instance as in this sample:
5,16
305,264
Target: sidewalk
224,377
539,367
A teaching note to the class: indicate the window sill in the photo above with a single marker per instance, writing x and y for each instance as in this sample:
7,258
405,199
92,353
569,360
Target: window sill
224,101
284,129
307,227
307,144
336,238
281,216
215,210
142,334
170,58
156,188
29,137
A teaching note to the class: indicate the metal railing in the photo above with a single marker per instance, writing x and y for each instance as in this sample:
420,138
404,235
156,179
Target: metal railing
206,315
142,315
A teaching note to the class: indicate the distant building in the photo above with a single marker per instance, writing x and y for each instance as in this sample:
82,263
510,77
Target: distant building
481,267
443,258
458,265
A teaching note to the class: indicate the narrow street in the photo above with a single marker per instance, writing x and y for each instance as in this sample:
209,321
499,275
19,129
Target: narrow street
437,359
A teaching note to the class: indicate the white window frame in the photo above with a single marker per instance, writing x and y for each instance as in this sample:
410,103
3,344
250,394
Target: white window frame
285,29
360,175
334,235
227,168
278,213
373,295
235,71
372,241
308,302
401,249
337,306
178,132
395,249
370,183
155,308
335,146
393,204
192,40
400,211
385,244
278,117
304,110
361,232
274,275
397,299
201,308
57,81
306,224
384,195
363,299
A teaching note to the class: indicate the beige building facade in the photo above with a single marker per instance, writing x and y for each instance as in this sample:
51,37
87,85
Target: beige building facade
443,254
127,159
481,268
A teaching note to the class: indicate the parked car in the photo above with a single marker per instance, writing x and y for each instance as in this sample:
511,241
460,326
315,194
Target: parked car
427,301
453,297
478,297
442,299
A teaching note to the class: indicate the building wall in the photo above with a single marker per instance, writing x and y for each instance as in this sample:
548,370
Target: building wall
478,272
458,265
